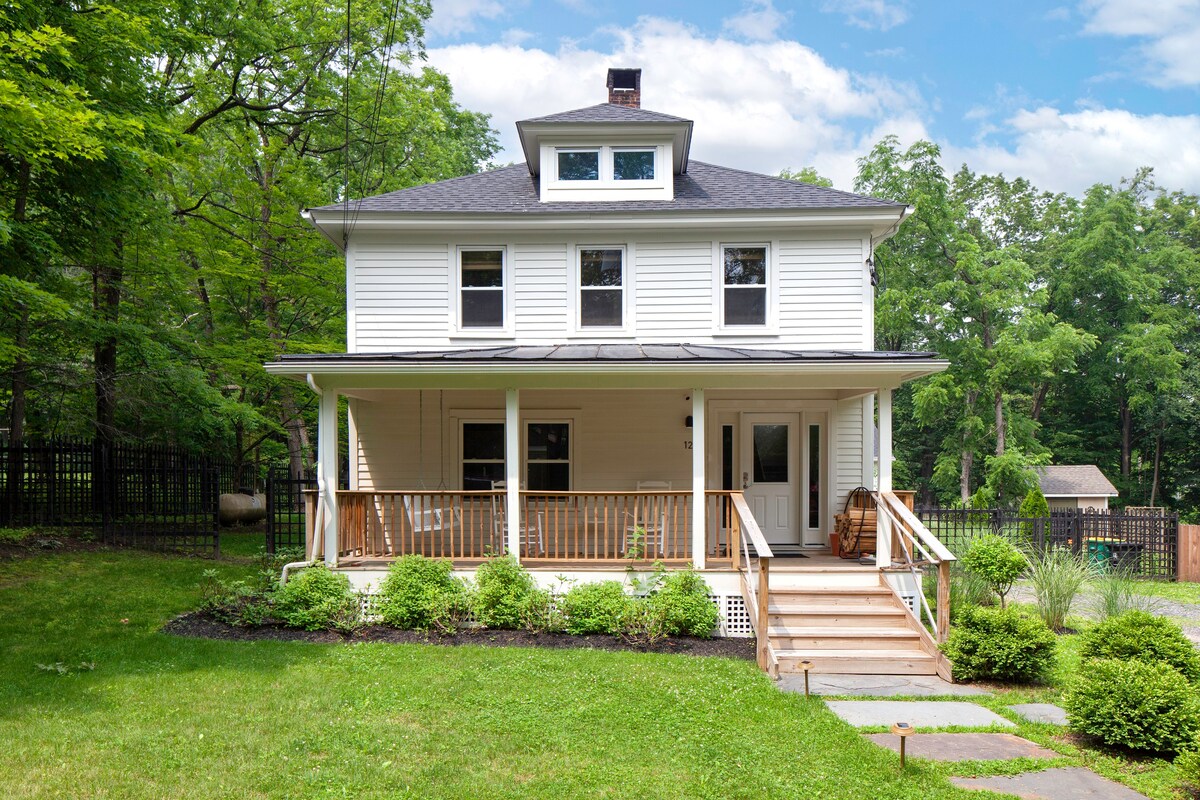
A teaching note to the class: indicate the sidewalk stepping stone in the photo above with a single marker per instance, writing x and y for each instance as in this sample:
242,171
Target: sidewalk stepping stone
1041,712
918,713
1061,783
877,685
964,746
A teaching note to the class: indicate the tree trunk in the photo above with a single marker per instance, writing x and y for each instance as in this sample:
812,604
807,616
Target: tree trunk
1039,401
999,404
1158,440
1126,437
106,302
964,479
20,382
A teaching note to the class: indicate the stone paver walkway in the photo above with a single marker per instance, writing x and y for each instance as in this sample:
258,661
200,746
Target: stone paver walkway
964,746
877,685
1041,712
918,713
1062,783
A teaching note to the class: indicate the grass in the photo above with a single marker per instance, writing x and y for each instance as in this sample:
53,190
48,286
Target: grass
134,713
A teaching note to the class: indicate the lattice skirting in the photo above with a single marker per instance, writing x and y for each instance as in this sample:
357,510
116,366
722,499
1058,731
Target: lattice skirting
735,617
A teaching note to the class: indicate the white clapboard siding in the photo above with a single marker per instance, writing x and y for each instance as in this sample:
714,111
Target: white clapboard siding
848,428
399,293
540,289
821,289
674,290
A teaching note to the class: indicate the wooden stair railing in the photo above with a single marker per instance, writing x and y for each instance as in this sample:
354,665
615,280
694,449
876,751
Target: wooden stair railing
917,547
755,571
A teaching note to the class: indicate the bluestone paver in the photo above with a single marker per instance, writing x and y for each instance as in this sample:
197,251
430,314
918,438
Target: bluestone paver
964,746
1041,712
918,713
877,685
1060,783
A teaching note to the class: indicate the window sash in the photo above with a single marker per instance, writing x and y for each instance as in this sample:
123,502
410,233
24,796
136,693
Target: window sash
540,471
637,166
481,288
564,158
601,299
745,278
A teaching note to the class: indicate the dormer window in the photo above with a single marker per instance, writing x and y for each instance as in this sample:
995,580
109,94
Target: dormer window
633,165
579,165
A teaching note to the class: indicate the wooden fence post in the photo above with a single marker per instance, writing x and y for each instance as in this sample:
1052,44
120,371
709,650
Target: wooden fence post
1188,563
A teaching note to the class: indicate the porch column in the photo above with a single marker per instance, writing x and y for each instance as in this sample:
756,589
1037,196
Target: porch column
327,471
699,535
883,555
512,469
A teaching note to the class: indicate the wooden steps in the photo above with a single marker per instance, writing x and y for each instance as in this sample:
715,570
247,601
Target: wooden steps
857,629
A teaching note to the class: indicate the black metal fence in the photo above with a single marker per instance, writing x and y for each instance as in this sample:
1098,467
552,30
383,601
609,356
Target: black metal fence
159,498
285,508
1143,543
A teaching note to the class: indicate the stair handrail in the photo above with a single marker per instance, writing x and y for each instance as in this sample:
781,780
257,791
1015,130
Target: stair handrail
897,517
755,587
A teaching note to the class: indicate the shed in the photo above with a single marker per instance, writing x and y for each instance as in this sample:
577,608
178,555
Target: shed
1071,486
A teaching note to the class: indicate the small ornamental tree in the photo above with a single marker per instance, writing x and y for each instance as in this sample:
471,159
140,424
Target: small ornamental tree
1034,506
997,561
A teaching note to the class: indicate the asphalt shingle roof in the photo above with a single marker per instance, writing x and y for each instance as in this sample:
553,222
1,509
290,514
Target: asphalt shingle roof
607,112
1075,480
611,352
704,187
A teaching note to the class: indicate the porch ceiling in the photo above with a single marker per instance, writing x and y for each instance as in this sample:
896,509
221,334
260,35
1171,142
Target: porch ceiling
612,366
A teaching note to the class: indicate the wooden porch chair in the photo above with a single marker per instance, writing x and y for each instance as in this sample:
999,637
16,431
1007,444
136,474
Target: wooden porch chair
651,516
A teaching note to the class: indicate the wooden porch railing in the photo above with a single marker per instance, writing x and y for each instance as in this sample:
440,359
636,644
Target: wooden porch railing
439,524
913,547
606,526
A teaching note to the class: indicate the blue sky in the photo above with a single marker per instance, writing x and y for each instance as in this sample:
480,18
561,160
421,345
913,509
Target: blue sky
1065,94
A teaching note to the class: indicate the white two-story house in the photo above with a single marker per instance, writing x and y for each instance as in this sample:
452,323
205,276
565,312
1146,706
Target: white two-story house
611,353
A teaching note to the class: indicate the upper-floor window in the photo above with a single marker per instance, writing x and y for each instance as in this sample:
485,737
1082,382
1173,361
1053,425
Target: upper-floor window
601,287
744,279
579,165
633,165
481,285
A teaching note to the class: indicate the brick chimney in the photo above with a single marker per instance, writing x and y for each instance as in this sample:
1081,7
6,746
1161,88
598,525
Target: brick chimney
625,87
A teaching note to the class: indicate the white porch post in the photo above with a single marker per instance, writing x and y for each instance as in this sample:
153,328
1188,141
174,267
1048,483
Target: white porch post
883,556
327,471
512,469
699,426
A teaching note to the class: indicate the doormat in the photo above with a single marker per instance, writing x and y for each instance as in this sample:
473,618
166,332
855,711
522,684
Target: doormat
787,551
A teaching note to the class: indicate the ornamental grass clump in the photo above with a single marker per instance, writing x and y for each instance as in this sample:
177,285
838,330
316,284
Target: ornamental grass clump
1117,592
1000,644
1134,704
1058,575
501,589
318,599
1139,636
421,593
997,561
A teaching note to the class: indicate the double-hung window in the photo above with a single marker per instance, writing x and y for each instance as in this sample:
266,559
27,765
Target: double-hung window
548,456
482,455
744,285
601,287
481,286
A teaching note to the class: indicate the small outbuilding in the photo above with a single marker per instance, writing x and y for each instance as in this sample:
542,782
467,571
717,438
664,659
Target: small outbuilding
1071,486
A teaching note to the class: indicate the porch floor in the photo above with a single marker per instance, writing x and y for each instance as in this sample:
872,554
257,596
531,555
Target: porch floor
816,561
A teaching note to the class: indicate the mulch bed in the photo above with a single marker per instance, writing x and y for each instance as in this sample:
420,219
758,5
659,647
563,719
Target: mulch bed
198,626
47,543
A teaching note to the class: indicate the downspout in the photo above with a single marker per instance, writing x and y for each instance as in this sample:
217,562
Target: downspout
318,523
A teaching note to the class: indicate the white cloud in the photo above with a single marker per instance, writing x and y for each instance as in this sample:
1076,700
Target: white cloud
759,20
1169,30
757,106
1069,152
456,17
872,14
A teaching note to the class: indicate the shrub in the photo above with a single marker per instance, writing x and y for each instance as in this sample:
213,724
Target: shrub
1001,644
422,594
1057,575
643,624
1187,767
683,605
1139,636
1117,592
501,586
997,561
596,608
1134,704
318,599
237,602
1034,506
539,612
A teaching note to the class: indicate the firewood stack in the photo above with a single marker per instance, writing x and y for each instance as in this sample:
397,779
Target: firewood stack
855,526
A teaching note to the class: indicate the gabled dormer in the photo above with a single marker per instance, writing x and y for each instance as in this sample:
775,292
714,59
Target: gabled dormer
614,151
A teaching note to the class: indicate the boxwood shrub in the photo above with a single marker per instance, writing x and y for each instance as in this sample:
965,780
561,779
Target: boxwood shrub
1001,644
1143,637
421,593
318,599
1134,704
596,608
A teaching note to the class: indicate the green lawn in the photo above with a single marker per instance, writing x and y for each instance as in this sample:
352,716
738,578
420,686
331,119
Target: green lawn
141,714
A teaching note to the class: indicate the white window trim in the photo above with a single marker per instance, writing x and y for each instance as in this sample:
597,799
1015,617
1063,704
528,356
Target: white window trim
457,329
575,287
467,416
770,327
525,460
662,167
481,418
601,157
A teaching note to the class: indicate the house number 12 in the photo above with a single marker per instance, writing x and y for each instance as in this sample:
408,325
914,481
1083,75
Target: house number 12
687,444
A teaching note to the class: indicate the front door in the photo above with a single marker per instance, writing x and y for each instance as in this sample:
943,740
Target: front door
770,474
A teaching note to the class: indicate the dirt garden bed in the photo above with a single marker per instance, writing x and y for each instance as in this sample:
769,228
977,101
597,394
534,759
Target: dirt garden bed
199,626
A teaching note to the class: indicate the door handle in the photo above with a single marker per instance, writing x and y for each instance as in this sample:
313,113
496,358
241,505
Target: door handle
745,480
